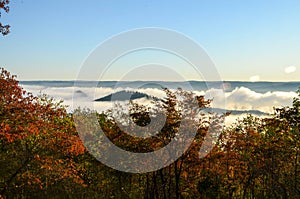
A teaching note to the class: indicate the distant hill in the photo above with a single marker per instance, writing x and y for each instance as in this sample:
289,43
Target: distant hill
124,96
235,112
132,95
80,93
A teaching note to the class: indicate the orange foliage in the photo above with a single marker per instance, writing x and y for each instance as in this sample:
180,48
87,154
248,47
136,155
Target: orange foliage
44,133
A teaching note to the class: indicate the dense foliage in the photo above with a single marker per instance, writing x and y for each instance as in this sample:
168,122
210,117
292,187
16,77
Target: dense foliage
42,156
38,143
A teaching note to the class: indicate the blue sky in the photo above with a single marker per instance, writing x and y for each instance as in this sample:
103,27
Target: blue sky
247,40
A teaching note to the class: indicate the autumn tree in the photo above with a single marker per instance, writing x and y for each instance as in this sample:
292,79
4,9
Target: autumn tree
4,29
255,158
38,143
175,180
283,146
41,154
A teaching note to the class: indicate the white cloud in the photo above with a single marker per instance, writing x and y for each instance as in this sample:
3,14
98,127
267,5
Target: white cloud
290,69
240,98
254,78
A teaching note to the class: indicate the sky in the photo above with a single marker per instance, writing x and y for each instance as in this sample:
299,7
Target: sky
246,40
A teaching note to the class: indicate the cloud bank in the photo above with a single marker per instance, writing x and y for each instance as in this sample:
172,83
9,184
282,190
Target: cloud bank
241,98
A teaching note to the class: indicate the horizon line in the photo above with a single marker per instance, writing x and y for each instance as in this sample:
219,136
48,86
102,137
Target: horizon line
248,81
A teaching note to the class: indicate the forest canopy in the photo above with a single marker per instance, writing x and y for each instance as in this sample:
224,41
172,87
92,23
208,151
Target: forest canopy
41,154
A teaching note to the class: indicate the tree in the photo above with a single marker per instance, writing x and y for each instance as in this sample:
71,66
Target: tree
41,155
38,143
175,180
255,158
4,29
